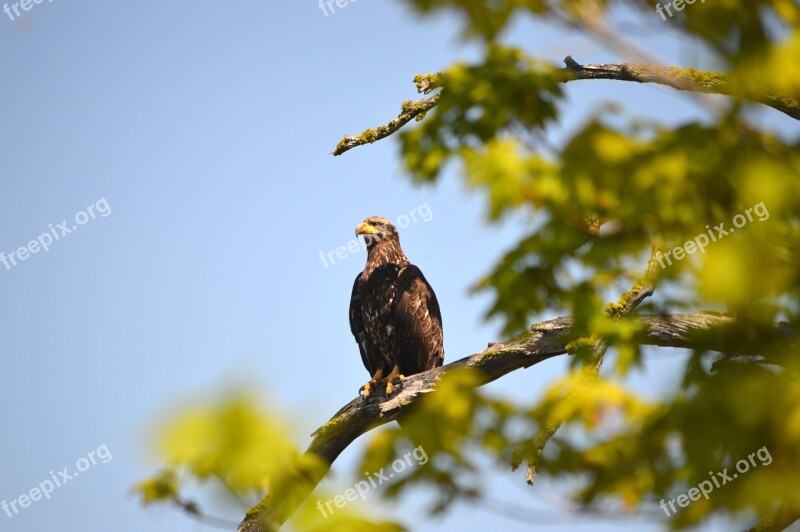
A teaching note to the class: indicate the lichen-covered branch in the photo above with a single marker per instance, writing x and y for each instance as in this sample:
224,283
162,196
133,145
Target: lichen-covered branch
544,340
408,111
685,79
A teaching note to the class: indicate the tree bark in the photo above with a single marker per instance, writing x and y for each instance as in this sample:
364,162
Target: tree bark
684,79
700,330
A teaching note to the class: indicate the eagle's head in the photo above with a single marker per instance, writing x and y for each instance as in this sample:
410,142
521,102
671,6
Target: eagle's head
377,229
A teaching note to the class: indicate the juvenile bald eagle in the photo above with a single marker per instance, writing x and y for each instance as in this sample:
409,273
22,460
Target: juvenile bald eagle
394,314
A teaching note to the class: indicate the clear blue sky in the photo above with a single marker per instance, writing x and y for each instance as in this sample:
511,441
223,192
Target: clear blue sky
206,127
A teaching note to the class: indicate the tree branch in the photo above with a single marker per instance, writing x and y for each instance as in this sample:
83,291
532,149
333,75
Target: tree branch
780,520
545,340
410,110
684,79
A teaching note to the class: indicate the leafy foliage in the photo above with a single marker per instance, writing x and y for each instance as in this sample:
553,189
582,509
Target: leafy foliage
618,189
239,451
715,204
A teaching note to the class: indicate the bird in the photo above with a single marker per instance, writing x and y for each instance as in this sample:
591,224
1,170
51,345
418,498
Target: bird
394,314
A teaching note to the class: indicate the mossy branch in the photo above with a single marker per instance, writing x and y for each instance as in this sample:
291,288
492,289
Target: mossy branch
702,330
684,79
409,111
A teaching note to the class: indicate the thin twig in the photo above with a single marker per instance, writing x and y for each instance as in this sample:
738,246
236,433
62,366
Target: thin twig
194,512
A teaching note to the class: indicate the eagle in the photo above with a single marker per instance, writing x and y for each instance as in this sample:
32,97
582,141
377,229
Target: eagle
394,313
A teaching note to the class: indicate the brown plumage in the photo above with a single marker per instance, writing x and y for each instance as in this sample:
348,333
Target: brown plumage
394,314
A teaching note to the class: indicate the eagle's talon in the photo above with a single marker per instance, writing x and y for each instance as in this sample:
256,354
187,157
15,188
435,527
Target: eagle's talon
374,381
390,386
394,376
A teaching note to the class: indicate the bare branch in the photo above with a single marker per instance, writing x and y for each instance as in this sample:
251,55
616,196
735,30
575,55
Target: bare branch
545,340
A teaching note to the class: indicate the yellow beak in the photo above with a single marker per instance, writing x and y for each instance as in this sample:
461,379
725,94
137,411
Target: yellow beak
365,229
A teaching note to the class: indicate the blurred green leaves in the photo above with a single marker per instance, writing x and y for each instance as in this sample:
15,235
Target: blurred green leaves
480,101
591,212
594,208
239,451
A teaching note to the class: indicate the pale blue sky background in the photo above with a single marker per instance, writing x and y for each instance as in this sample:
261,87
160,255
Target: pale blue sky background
207,127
